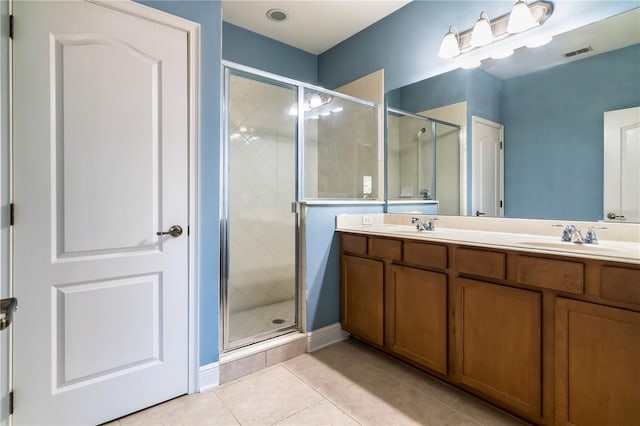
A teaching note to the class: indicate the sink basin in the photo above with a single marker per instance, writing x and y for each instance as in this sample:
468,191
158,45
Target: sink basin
585,248
560,245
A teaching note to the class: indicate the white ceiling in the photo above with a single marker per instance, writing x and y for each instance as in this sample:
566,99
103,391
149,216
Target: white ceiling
312,25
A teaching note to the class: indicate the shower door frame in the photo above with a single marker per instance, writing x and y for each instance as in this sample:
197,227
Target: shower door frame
434,137
225,344
296,204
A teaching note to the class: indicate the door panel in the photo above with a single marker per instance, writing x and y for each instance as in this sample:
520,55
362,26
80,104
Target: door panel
261,281
487,165
101,165
90,146
622,165
497,343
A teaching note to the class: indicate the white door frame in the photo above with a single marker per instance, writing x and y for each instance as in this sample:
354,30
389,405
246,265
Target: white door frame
5,197
192,34
475,119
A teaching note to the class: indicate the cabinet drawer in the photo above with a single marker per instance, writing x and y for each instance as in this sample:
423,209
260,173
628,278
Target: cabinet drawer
354,243
488,264
387,249
622,284
430,255
553,274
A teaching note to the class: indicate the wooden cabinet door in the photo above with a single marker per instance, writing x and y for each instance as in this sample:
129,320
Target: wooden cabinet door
417,316
361,298
597,365
497,343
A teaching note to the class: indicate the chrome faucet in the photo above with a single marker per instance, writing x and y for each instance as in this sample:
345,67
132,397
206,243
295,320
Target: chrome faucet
591,237
571,234
421,226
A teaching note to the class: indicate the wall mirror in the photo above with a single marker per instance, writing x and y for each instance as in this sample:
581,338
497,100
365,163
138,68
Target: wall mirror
550,103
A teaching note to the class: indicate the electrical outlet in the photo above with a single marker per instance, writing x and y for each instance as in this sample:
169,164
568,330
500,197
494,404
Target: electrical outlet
367,220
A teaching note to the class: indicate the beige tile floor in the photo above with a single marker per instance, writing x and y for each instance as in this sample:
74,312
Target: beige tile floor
343,384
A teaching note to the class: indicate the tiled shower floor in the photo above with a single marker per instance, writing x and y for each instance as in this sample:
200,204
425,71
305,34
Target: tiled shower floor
259,320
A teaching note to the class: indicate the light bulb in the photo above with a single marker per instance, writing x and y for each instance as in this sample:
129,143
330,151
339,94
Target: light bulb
315,101
481,34
520,18
449,47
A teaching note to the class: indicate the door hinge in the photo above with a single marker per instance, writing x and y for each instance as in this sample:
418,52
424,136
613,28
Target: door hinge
11,214
500,144
11,402
11,26
500,203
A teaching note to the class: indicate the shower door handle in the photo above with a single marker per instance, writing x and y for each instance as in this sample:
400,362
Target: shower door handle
175,231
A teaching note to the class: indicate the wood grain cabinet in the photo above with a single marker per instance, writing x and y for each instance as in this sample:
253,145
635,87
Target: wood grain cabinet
553,339
362,298
417,316
597,365
497,343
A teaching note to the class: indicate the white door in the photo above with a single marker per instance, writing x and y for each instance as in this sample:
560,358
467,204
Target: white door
100,165
622,165
486,167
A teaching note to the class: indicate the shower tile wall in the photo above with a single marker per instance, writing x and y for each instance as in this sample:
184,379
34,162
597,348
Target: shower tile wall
262,181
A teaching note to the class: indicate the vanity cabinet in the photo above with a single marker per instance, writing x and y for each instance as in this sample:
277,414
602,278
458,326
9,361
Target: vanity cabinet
417,316
362,298
497,342
597,364
553,339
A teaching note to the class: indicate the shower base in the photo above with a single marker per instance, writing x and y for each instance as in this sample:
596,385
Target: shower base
258,320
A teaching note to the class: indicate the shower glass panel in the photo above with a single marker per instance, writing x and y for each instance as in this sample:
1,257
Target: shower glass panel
448,168
423,160
340,147
261,231
410,156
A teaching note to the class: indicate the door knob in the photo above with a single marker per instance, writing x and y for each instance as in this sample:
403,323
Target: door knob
174,231
612,215
7,306
479,213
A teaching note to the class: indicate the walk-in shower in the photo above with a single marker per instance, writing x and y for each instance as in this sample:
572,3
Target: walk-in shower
423,160
284,142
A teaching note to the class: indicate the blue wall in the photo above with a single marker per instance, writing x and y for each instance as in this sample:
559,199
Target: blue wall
254,50
208,14
553,134
323,262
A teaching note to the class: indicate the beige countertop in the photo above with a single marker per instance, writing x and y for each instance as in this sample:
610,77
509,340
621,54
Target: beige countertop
620,242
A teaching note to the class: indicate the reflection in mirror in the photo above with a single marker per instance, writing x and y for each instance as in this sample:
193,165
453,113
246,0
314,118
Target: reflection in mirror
422,158
551,101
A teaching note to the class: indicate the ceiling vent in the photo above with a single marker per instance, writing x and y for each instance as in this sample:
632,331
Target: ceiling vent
578,52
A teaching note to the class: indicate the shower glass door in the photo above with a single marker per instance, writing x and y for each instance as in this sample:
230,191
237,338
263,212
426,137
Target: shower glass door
259,297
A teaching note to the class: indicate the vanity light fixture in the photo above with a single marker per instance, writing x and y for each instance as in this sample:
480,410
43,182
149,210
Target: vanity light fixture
521,18
486,31
481,35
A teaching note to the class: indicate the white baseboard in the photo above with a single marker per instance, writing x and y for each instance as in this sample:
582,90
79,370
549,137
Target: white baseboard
209,376
325,336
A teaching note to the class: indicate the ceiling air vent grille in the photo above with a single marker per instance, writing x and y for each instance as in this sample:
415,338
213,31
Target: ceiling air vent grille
578,52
